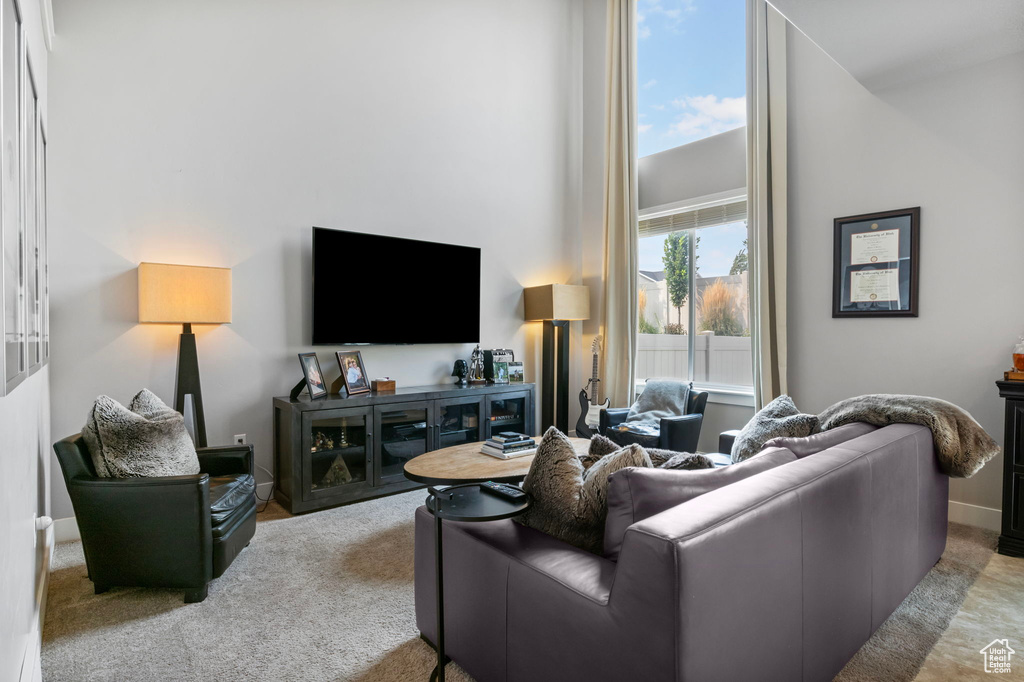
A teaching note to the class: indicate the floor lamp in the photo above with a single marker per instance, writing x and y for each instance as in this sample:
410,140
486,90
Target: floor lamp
186,295
556,305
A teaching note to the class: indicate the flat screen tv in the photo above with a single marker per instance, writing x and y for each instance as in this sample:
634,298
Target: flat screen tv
371,289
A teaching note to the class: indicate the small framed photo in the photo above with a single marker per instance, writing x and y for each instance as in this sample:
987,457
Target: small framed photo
314,377
516,375
875,264
352,372
501,373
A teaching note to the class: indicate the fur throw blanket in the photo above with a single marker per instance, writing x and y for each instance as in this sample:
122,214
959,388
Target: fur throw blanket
962,446
661,399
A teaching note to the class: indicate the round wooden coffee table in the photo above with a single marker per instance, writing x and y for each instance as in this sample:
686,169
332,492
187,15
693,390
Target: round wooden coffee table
466,464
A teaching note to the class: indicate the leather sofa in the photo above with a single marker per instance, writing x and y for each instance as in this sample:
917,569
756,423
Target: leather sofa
679,434
783,575
163,531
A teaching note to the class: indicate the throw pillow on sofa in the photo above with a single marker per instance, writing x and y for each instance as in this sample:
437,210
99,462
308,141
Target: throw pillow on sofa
636,494
147,438
778,418
662,459
570,503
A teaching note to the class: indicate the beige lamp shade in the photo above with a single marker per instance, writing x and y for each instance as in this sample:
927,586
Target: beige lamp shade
557,302
184,294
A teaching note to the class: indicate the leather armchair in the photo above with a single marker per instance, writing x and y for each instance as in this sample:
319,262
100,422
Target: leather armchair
726,439
679,434
164,531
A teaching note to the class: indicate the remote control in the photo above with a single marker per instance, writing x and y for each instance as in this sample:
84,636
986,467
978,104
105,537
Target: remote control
509,492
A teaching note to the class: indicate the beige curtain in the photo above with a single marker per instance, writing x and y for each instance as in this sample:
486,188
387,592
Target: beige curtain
620,306
766,191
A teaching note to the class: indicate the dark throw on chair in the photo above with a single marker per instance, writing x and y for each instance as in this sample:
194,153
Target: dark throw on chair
167,531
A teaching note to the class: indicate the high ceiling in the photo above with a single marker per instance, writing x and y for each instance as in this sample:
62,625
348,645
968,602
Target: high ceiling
883,43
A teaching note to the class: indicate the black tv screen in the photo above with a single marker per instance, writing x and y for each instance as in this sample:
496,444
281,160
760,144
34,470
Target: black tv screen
370,289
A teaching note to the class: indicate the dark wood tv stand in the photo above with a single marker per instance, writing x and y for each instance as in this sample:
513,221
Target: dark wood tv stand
337,450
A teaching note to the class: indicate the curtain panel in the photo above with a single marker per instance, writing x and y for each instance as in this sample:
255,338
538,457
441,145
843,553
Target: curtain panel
619,318
766,198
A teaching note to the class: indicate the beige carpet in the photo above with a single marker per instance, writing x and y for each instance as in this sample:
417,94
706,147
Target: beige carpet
329,596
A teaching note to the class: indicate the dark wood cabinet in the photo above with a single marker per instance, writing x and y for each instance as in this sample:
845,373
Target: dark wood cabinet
337,450
1011,540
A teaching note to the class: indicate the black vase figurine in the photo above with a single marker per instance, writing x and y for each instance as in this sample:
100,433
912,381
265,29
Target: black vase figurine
460,370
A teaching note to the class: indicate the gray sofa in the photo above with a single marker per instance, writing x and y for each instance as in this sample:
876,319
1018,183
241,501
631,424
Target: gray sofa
781,576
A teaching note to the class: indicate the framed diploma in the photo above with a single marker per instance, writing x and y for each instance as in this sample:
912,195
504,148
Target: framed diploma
875,264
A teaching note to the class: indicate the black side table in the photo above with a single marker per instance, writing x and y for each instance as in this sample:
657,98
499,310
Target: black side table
465,502
1011,540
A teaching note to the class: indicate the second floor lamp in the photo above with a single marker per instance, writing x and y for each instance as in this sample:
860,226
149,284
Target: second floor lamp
556,305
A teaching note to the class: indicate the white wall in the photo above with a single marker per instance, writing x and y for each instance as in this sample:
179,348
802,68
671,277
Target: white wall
24,463
952,145
219,133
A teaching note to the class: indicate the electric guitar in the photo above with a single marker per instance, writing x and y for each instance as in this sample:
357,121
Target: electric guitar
591,405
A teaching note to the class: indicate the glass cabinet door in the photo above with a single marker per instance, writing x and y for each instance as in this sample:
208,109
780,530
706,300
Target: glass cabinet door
507,412
459,421
337,445
403,435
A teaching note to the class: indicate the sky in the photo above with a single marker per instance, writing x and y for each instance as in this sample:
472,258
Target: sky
691,67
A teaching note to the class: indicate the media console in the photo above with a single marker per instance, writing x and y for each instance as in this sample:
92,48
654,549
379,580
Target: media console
337,450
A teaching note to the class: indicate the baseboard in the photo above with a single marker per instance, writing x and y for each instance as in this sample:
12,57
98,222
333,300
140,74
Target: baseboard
264,490
66,530
973,515
31,668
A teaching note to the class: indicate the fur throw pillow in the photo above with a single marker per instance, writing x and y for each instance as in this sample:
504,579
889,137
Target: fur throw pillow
571,503
145,439
778,418
661,459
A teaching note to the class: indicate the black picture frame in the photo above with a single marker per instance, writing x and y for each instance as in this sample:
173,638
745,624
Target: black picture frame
353,384
904,271
314,376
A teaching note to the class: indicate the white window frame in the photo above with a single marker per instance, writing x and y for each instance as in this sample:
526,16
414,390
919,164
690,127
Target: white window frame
718,393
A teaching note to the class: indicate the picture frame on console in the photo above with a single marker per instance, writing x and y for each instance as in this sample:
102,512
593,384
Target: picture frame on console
313,375
353,372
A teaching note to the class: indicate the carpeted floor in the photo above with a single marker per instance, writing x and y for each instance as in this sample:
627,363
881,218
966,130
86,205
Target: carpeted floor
329,596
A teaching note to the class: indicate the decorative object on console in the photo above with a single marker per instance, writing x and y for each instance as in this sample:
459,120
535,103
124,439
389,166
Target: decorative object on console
460,370
492,357
312,377
500,373
556,305
353,373
591,405
383,384
476,367
185,295
516,373
875,264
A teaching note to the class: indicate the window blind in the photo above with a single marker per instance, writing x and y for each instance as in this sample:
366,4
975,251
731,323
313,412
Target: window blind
696,218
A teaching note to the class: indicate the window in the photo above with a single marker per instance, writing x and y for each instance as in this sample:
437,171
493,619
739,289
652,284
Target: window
691,71
706,303
693,277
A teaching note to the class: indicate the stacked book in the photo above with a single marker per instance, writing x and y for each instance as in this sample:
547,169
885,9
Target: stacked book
507,445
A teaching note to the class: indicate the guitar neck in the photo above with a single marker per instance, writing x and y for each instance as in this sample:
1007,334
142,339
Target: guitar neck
595,384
